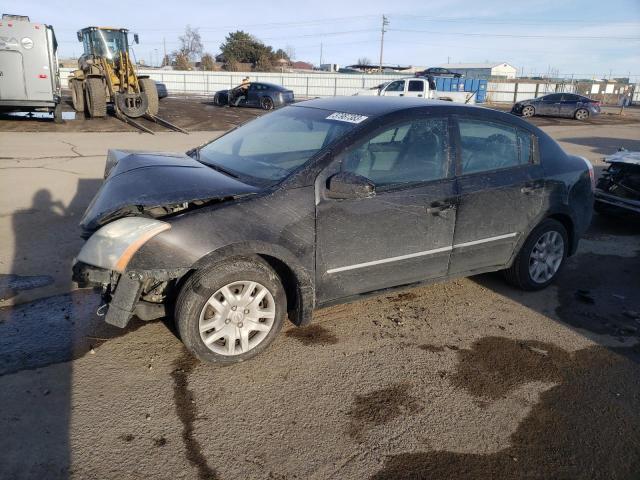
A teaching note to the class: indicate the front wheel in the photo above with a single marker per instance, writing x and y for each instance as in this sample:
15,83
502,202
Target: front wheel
149,87
266,103
541,257
528,111
231,311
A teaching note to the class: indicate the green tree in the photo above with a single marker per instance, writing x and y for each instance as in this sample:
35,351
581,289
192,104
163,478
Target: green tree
242,47
264,63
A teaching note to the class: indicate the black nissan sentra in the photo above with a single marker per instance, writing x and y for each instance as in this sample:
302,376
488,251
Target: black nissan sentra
323,202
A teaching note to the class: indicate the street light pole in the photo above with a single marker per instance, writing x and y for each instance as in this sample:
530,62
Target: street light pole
385,22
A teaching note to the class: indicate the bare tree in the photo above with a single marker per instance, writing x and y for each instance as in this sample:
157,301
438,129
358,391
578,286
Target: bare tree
207,62
290,51
364,61
181,61
191,43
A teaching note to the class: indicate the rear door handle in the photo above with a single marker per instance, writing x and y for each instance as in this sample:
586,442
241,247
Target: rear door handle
419,94
529,189
402,94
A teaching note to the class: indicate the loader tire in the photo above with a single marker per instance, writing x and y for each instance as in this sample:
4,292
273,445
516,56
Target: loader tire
96,98
77,95
148,86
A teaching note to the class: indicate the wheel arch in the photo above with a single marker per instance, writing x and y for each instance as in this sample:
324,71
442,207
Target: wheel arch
567,222
296,279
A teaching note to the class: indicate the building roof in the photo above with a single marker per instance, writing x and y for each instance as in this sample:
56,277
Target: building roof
475,65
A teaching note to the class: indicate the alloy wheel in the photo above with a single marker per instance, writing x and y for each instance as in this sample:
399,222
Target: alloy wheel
237,318
546,257
582,114
527,111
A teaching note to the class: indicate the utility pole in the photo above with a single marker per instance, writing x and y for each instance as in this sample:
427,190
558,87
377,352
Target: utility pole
320,66
164,44
385,22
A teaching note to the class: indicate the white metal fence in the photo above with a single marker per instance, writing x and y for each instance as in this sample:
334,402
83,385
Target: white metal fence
332,84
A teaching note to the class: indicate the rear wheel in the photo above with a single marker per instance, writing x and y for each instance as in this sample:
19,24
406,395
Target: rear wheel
541,256
96,98
266,103
77,95
581,114
148,86
528,111
57,113
231,311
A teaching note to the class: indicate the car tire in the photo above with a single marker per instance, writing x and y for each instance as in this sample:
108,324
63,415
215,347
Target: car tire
95,98
57,113
581,114
148,86
266,103
540,248
202,298
528,111
216,100
77,95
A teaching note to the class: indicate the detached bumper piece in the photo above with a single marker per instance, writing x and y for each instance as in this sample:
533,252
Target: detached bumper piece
123,301
618,202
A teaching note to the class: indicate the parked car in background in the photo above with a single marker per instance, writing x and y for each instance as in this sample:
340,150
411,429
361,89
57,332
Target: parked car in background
438,72
323,202
162,90
261,95
618,188
558,105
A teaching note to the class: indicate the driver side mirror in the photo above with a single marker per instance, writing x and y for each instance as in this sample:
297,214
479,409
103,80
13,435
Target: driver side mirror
79,33
136,39
344,185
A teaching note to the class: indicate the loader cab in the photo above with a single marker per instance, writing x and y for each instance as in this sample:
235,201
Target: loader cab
105,42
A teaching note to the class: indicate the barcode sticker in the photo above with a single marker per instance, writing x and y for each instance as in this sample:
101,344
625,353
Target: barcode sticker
347,117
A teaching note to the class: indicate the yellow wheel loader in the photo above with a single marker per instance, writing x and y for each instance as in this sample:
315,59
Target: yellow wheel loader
106,75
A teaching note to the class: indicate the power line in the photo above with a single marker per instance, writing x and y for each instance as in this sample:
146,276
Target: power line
476,20
510,35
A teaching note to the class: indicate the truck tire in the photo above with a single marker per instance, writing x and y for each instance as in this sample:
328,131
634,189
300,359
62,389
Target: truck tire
96,98
148,86
57,113
77,95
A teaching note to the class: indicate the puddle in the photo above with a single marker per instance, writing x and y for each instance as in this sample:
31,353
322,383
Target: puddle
10,285
53,330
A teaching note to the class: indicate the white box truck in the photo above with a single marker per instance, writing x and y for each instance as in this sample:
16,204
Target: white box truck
29,74
417,87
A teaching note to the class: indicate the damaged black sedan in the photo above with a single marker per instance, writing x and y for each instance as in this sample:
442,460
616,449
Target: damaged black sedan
324,202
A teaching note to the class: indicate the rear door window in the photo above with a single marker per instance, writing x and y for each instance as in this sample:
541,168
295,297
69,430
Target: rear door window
487,146
416,86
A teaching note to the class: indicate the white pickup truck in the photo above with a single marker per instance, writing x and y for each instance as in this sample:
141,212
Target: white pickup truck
417,87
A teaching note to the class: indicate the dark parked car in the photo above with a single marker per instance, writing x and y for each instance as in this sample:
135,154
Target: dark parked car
618,188
262,95
558,105
323,202
162,90
438,72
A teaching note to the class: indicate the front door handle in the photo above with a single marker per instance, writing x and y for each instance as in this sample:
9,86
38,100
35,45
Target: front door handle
419,94
402,94
436,208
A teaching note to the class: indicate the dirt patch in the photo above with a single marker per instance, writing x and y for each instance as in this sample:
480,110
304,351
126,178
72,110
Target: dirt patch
11,284
190,113
495,365
402,297
431,348
185,406
313,335
586,427
380,406
599,293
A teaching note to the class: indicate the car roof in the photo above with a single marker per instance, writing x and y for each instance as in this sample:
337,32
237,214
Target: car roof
373,106
270,85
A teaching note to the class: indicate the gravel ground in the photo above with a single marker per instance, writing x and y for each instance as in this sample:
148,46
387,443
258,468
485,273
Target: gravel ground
464,379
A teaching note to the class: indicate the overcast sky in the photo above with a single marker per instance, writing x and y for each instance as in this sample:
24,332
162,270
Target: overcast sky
586,38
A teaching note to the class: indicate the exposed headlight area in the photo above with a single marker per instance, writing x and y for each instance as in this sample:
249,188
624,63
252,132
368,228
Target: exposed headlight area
113,246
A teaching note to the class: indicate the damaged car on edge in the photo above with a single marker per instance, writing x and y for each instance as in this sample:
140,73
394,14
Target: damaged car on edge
324,202
618,189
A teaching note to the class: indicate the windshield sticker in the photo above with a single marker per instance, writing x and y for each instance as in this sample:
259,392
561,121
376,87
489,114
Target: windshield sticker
347,117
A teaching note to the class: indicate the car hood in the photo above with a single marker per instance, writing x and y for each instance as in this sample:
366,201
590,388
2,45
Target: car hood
138,181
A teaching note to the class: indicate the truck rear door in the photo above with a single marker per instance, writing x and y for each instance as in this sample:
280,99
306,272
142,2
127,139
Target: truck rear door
12,81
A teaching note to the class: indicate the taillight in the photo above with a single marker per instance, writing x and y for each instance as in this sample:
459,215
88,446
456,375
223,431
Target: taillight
42,75
592,176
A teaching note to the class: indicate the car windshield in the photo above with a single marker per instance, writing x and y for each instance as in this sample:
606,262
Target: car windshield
269,148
